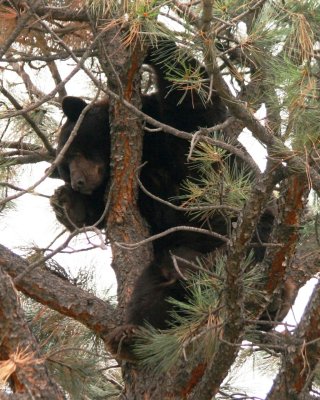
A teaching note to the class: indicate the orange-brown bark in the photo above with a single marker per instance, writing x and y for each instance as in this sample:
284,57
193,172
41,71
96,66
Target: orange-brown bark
288,233
59,294
19,352
303,354
194,379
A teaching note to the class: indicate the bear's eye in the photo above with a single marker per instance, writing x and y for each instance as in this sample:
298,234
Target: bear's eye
93,156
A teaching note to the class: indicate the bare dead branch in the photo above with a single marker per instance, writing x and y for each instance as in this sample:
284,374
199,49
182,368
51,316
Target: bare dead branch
62,55
50,95
14,187
30,121
133,246
31,88
57,79
20,145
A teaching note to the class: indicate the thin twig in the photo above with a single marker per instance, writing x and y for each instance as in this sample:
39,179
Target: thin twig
133,246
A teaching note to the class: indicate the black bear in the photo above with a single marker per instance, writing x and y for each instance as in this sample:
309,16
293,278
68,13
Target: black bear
86,170
86,165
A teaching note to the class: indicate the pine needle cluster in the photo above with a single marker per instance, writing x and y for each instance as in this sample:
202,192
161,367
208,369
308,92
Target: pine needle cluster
74,355
223,183
289,33
197,323
184,77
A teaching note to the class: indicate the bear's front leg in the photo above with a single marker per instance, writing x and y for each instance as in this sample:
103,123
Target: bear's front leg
120,342
76,210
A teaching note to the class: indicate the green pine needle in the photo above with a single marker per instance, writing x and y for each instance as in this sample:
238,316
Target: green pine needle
223,182
197,323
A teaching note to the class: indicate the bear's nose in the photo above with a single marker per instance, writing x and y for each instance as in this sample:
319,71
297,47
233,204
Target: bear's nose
79,184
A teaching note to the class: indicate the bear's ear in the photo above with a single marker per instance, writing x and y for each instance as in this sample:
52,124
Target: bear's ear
72,107
54,174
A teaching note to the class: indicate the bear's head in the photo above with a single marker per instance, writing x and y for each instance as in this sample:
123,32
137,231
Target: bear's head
86,164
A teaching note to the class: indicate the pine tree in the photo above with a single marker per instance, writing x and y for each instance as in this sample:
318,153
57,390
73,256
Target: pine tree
263,60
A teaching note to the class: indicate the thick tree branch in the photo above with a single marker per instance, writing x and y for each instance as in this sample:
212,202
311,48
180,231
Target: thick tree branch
282,282
124,221
59,294
19,351
62,13
22,157
20,146
303,354
292,200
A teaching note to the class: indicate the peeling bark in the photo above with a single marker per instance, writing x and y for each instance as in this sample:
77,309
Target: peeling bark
19,352
291,205
124,222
